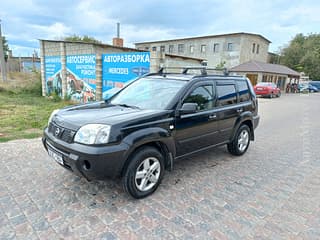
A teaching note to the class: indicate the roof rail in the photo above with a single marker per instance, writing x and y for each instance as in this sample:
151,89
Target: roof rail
204,70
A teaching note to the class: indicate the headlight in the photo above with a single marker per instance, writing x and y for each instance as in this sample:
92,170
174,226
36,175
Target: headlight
93,134
54,112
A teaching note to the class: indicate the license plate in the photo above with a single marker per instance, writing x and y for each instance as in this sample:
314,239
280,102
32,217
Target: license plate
259,89
56,156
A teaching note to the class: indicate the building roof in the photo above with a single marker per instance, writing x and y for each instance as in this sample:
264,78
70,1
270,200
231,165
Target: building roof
185,57
97,44
256,66
209,36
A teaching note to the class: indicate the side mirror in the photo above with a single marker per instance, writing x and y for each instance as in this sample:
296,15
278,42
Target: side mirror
188,108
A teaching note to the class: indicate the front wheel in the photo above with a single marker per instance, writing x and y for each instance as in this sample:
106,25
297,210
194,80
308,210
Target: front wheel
241,141
144,172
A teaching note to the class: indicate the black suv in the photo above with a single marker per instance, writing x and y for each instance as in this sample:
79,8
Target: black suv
156,119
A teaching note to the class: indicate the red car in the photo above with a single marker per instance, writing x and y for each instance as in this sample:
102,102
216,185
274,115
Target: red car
267,89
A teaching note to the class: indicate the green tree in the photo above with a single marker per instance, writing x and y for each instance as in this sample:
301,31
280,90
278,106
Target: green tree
303,55
85,38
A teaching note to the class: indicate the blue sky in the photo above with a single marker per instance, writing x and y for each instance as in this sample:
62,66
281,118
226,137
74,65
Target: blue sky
23,23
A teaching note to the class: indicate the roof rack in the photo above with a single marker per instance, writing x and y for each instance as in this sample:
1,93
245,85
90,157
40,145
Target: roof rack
203,70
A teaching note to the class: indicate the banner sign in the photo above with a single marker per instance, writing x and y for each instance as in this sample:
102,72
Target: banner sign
52,65
119,68
81,77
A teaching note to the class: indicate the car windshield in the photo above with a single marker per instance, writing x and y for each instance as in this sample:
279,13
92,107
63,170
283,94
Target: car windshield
148,93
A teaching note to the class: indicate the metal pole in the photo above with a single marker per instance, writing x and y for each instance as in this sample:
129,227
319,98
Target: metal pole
3,63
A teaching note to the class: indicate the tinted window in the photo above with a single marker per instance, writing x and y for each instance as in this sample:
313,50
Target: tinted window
203,96
243,91
226,94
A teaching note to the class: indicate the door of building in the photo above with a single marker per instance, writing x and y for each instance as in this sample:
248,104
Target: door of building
253,78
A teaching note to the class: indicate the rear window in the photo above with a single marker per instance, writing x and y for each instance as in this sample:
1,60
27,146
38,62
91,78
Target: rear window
226,94
244,94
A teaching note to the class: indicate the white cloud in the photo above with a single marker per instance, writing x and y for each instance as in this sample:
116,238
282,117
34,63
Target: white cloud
146,20
53,31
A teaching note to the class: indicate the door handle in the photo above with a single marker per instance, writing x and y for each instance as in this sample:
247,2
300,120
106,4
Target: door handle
240,110
213,116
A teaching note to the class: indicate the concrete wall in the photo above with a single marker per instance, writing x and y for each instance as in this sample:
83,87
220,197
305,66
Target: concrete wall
247,54
62,49
240,53
158,60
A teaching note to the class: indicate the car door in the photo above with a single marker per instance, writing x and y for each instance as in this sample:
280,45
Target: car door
227,108
198,130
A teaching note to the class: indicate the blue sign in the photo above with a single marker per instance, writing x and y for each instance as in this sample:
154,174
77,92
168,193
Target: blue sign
81,77
52,65
119,68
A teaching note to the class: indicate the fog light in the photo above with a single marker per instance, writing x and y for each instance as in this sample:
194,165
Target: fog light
86,165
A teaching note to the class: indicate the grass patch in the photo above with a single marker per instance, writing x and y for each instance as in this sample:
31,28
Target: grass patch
23,111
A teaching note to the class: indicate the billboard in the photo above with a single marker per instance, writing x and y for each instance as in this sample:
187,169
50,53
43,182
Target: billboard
81,77
53,75
119,68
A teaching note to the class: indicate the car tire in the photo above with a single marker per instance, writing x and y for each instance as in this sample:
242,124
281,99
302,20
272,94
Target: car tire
240,142
144,173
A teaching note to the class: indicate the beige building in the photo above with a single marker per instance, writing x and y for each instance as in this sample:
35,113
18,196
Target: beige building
226,50
266,72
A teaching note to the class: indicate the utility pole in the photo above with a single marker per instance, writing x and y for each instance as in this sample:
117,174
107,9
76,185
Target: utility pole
2,61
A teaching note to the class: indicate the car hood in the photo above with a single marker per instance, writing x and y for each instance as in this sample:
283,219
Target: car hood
76,116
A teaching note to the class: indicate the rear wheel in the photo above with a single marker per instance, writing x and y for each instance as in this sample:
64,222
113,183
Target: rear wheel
144,172
241,141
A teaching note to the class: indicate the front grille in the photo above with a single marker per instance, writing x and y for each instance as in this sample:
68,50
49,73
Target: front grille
64,134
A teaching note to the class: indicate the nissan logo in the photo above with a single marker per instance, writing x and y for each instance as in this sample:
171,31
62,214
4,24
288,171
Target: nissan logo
57,131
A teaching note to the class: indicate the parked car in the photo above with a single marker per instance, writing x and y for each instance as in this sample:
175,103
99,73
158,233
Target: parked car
307,87
267,89
315,84
150,123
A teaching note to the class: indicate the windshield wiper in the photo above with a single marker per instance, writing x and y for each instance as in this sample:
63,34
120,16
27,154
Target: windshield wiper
126,105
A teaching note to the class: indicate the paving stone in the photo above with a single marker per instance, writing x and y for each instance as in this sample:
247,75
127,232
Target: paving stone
271,192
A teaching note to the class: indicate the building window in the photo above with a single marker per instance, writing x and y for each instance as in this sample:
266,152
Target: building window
258,46
146,48
171,48
181,48
203,48
253,48
191,49
162,48
216,47
154,49
230,47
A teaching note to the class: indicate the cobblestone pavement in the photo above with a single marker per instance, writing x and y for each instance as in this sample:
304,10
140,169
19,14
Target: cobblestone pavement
272,192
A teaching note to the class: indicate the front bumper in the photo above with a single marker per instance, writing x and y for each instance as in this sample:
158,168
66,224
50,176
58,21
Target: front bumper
91,162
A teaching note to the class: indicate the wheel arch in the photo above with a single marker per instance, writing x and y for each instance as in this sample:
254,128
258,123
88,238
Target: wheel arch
244,119
158,138
159,145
